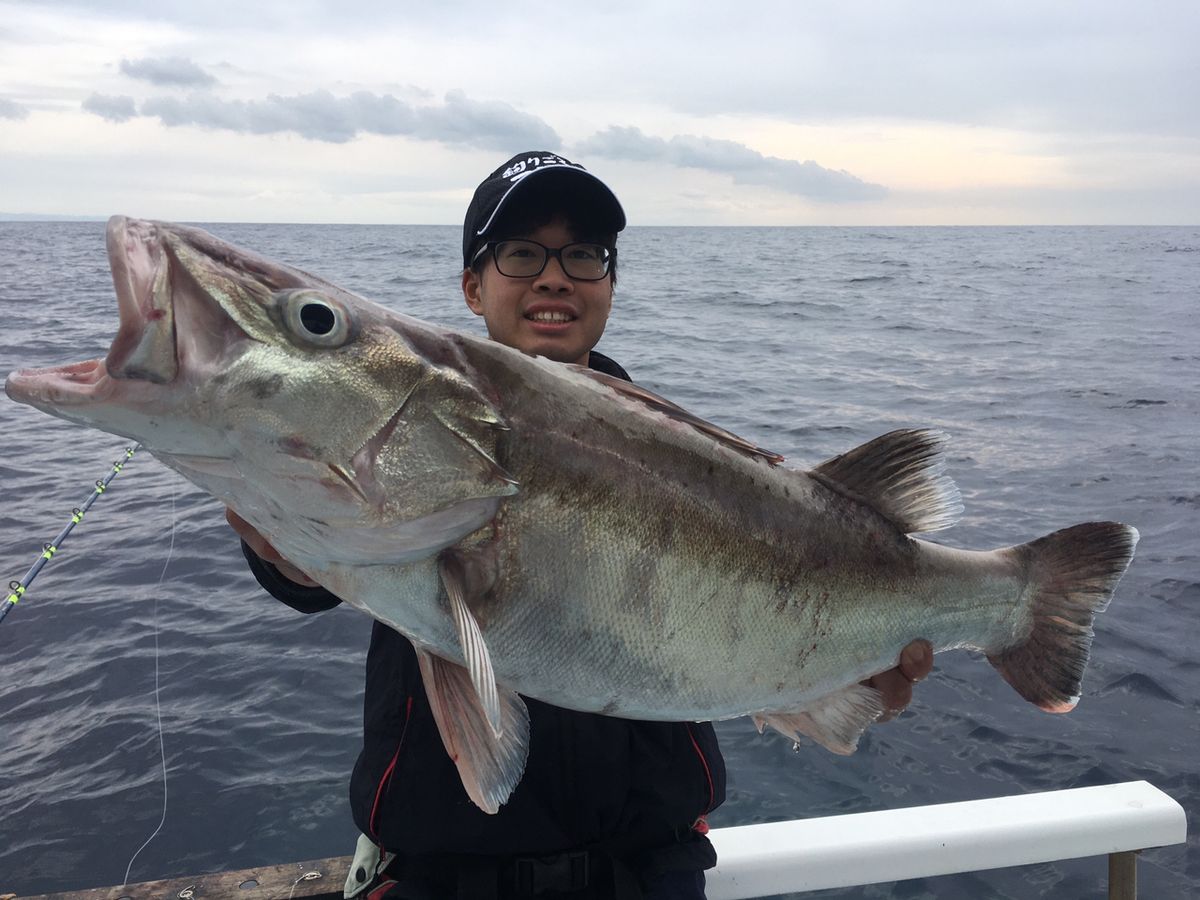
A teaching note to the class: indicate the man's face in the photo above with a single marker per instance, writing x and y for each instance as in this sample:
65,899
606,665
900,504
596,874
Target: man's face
547,314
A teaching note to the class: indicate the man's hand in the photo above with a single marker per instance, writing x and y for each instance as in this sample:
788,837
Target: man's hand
261,546
896,685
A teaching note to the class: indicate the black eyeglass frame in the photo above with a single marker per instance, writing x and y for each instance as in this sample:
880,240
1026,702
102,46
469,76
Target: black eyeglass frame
548,253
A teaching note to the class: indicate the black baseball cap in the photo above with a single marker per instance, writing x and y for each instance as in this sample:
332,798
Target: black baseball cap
535,170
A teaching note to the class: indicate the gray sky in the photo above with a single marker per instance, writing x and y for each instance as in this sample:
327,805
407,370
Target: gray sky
850,112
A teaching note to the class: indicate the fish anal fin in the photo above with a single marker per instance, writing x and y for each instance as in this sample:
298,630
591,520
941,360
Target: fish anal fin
490,767
662,405
900,474
835,721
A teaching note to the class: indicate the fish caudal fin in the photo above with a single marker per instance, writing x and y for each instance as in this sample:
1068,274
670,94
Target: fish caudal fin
1073,572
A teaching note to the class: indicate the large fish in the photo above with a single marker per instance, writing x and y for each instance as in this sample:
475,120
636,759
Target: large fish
541,529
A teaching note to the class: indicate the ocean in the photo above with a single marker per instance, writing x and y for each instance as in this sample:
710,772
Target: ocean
1063,363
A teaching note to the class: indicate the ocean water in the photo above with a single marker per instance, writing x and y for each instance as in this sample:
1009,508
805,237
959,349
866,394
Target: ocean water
1063,362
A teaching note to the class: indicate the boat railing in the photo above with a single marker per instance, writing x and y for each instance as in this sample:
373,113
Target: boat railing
1114,820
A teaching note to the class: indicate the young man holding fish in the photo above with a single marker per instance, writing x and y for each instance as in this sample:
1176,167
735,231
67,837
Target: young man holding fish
606,807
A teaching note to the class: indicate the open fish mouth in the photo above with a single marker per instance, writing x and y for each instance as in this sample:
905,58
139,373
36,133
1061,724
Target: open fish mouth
144,347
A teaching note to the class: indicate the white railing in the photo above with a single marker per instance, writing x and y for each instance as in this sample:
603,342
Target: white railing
1116,820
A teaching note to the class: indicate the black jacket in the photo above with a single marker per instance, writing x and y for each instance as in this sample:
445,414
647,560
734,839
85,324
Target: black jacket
590,780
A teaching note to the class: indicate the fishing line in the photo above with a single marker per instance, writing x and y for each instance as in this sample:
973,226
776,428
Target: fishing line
307,876
157,705
16,589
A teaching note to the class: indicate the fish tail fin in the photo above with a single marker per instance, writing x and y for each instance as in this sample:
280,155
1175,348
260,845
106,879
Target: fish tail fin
1073,573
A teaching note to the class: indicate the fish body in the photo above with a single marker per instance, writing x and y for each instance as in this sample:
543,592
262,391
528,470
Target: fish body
540,529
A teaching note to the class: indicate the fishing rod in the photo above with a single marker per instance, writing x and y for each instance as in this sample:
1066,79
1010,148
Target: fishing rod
17,588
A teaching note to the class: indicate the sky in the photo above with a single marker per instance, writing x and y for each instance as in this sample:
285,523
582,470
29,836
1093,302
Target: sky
732,113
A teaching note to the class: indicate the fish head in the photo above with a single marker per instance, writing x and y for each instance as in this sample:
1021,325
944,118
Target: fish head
284,395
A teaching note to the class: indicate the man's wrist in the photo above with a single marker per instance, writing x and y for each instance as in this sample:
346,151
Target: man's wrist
302,598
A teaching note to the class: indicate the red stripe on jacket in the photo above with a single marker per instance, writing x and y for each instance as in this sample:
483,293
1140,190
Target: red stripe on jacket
387,773
701,824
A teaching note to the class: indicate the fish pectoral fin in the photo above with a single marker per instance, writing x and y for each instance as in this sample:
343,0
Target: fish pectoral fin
489,765
474,647
835,721
901,475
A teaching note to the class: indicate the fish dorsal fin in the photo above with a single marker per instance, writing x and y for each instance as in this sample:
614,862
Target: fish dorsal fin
489,766
835,721
900,474
672,410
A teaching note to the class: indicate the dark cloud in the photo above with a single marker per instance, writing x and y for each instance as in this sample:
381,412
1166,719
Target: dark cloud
460,118
171,71
115,109
321,116
745,165
10,109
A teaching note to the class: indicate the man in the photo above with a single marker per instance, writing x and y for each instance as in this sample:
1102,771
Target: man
606,808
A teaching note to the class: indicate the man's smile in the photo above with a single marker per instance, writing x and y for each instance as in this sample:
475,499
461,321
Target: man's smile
546,317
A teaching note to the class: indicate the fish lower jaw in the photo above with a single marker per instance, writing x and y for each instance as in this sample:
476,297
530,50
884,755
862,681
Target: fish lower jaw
70,385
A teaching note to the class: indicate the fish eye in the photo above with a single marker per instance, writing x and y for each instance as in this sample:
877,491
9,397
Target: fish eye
315,318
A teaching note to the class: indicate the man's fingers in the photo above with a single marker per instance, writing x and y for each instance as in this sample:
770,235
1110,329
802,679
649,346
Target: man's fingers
252,536
244,529
291,573
916,660
263,549
896,685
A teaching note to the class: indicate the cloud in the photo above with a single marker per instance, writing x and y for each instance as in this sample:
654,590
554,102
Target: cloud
115,109
747,166
321,116
462,117
10,109
171,71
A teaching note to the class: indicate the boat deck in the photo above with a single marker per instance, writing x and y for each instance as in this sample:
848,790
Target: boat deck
314,879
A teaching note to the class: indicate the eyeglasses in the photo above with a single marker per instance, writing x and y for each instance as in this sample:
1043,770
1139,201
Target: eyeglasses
582,260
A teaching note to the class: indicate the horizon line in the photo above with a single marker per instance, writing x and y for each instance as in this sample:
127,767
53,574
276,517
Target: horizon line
47,218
